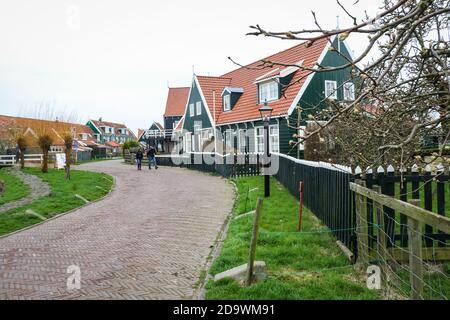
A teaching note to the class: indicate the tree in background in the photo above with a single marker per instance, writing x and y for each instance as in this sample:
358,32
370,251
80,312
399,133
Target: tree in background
403,73
22,145
45,142
67,136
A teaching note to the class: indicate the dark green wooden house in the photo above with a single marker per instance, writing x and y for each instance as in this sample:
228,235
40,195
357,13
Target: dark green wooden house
224,111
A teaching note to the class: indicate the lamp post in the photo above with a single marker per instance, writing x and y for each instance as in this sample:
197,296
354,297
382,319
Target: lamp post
266,113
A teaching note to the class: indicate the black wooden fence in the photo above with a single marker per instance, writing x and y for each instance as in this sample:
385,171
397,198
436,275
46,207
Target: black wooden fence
327,193
430,186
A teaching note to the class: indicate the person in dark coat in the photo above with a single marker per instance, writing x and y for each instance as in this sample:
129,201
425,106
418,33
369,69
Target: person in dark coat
139,157
151,155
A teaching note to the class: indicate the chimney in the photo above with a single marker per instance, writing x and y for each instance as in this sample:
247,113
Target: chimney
100,119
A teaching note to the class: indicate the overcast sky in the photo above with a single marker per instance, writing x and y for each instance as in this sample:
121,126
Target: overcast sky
115,58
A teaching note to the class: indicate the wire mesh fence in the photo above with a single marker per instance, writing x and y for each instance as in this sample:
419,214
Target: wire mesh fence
417,271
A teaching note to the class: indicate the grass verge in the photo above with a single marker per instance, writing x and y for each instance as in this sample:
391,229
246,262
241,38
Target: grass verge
15,189
91,186
305,265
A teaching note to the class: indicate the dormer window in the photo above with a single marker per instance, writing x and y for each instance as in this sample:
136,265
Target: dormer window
230,97
268,91
226,103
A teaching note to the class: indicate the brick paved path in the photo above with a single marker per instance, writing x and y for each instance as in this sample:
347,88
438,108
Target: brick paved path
148,240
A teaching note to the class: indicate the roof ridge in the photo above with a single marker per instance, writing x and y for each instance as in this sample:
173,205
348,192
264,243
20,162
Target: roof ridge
46,120
274,54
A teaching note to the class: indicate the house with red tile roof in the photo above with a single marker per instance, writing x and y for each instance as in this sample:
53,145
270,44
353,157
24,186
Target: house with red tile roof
160,136
84,139
228,105
105,131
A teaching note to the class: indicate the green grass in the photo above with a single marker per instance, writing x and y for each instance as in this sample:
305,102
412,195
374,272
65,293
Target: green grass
89,185
306,265
15,189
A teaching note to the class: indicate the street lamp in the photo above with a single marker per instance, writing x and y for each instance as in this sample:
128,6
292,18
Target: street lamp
266,113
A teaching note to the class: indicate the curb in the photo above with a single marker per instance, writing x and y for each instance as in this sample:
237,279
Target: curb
217,248
64,213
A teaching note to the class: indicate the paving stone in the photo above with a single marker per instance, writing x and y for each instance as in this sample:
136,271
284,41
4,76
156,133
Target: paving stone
149,240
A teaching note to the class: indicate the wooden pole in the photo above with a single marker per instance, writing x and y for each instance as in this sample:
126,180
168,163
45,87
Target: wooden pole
252,254
362,228
381,235
415,255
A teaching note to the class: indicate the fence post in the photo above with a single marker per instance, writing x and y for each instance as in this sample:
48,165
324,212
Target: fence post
381,234
415,255
361,225
252,254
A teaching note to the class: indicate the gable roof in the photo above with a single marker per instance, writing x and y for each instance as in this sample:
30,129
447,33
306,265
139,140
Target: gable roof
212,88
113,125
31,127
140,133
176,101
246,78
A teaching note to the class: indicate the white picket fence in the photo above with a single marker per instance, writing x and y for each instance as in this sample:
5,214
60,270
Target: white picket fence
34,158
7,161
10,160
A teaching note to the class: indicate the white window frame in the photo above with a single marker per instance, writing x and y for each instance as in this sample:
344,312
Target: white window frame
349,91
198,106
331,93
259,145
188,142
274,138
242,140
228,138
266,94
191,110
197,136
301,133
227,102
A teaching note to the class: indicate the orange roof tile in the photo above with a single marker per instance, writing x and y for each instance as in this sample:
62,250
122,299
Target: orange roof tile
247,106
32,127
176,101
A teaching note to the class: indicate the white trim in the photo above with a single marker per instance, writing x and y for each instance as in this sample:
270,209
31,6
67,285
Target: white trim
311,76
346,91
331,95
268,83
265,77
249,120
199,88
197,109
100,131
318,164
228,97
232,90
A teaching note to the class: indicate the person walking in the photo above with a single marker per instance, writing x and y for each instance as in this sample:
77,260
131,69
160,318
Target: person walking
139,157
151,155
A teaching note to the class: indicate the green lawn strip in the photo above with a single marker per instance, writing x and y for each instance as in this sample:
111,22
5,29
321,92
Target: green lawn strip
15,189
89,185
300,266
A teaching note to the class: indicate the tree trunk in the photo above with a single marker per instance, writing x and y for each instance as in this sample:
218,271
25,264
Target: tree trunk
45,162
68,162
22,159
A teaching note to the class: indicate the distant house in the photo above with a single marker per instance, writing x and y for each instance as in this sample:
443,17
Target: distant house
110,132
161,136
229,104
83,136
